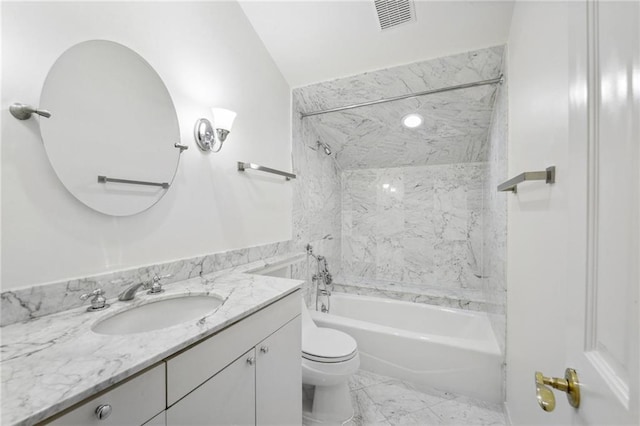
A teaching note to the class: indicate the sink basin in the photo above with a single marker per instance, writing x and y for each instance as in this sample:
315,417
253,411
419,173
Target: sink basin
156,315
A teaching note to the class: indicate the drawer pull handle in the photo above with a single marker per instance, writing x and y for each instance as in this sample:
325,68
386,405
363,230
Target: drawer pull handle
251,360
103,411
264,349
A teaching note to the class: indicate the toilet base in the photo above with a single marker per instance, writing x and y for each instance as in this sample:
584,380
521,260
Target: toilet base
331,405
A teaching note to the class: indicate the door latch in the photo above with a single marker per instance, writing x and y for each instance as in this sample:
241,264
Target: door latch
569,384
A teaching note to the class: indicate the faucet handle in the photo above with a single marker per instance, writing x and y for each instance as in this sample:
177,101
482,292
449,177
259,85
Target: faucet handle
155,286
98,302
157,277
329,279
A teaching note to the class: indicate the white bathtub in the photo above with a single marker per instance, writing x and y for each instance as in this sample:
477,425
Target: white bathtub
444,348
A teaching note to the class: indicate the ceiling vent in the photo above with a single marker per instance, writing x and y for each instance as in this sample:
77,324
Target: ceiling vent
392,13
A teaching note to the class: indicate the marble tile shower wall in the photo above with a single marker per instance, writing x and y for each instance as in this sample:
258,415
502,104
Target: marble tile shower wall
494,239
455,123
411,201
420,225
316,201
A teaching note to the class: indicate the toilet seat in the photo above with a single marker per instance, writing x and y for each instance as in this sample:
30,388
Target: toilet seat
328,345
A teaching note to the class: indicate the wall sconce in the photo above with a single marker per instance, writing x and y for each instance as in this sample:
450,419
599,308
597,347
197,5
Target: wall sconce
206,137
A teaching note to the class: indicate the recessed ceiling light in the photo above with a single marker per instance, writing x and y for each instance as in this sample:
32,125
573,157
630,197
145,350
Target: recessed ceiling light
412,120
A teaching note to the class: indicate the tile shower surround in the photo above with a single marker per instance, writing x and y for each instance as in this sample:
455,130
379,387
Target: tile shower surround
414,225
40,300
494,281
459,298
316,202
389,248
456,123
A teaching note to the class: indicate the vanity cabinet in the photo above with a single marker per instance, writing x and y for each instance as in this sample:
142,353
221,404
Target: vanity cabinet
260,386
248,373
263,386
133,402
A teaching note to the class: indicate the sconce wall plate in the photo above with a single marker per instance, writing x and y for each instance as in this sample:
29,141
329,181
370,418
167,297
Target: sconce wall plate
203,133
209,138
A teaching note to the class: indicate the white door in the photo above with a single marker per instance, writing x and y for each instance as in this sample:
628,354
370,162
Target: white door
604,201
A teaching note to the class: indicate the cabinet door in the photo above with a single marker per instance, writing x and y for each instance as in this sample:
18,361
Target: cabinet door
192,367
129,404
159,420
279,377
228,398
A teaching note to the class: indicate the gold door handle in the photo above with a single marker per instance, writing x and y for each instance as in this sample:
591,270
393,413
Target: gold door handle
569,384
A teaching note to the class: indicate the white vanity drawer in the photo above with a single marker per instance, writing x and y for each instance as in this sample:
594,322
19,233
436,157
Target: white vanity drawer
195,365
132,403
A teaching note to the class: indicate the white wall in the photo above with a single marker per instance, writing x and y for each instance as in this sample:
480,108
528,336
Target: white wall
537,215
208,55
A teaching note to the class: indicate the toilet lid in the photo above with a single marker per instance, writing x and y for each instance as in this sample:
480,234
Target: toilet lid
328,345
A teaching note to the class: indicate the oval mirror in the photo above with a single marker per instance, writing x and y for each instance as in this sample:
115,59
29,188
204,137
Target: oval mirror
113,126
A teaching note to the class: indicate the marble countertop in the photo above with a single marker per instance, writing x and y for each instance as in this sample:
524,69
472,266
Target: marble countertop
50,363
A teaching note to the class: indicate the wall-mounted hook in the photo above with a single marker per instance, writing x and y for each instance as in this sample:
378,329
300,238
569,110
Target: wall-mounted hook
24,112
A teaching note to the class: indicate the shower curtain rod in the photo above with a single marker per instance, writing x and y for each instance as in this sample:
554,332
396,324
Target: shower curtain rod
499,79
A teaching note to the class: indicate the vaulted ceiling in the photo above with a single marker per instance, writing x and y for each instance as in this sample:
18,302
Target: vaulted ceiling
313,41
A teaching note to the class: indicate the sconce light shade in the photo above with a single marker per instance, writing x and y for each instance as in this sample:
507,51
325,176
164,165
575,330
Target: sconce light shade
209,139
223,118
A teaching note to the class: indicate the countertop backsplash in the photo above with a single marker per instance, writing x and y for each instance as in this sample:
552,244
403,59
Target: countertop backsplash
45,299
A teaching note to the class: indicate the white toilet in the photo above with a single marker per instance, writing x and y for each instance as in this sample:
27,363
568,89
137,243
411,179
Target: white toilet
329,358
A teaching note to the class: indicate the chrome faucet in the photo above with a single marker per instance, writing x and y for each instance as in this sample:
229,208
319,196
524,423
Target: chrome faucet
130,292
322,280
98,302
153,286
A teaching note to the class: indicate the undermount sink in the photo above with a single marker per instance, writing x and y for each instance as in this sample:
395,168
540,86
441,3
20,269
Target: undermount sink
156,315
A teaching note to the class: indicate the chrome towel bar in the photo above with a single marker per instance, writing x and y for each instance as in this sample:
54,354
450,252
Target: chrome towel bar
104,179
243,166
548,175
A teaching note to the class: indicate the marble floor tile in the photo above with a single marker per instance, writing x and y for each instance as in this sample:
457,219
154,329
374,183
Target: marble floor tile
421,417
384,401
457,412
431,391
366,412
395,398
364,379
491,406
357,422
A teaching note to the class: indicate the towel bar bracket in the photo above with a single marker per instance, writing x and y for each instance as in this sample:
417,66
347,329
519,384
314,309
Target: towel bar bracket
548,175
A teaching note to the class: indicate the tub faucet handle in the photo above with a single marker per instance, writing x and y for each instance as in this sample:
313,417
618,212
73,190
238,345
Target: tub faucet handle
329,279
